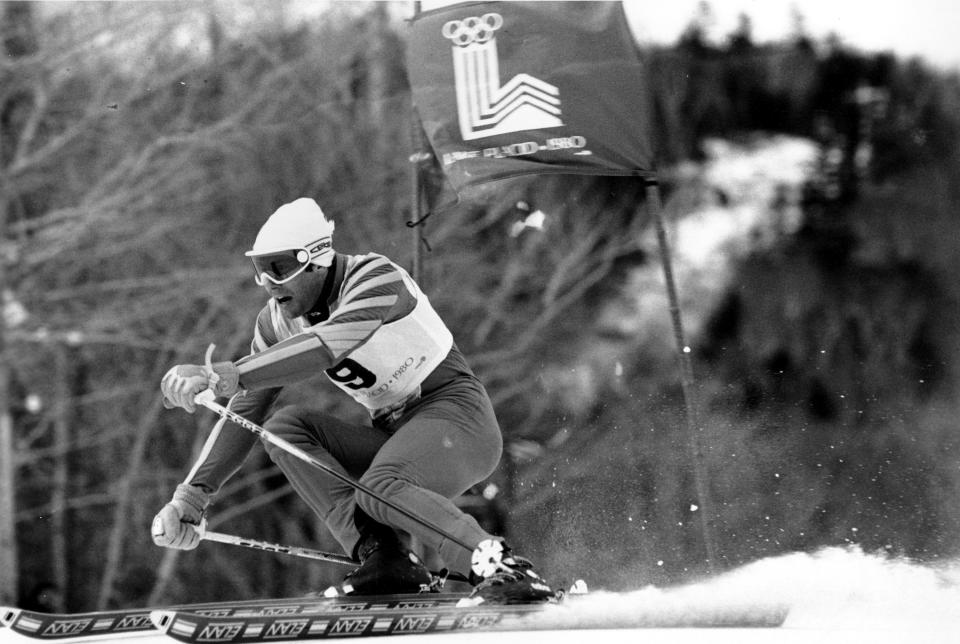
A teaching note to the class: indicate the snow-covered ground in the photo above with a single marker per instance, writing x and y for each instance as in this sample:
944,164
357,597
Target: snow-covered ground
743,198
839,595
834,596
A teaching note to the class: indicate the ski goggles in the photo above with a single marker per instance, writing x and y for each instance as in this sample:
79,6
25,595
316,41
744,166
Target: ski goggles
280,267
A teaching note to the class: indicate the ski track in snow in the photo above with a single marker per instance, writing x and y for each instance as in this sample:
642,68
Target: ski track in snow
835,595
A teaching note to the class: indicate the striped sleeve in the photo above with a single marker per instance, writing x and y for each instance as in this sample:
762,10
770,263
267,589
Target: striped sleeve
291,360
373,293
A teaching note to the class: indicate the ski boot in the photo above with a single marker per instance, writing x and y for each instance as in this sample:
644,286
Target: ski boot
500,577
386,566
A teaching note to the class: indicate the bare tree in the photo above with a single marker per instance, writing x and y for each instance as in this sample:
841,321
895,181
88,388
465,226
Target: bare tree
19,41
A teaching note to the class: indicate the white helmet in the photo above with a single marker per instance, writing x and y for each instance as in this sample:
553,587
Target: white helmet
298,225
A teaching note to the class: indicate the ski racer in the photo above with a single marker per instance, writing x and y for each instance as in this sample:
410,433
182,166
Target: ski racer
433,434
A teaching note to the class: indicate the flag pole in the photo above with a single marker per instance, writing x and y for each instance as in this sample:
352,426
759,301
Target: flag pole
418,155
693,428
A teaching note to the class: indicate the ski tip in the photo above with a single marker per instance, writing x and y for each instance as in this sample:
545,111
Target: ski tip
8,615
162,619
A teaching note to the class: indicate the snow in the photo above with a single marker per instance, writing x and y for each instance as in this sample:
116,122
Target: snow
744,197
838,595
749,175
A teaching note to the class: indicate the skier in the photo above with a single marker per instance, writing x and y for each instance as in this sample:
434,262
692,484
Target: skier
364,322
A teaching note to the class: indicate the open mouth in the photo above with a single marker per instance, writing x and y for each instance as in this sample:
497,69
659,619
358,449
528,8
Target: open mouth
283,299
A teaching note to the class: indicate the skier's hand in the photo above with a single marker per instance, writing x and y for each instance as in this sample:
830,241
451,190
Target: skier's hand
173,525
182,383
223,378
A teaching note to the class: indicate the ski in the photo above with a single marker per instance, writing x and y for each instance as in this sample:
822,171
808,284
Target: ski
136,621
570,613
193,628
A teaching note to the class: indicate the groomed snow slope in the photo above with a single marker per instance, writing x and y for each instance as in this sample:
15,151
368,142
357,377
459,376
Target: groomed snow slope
834,596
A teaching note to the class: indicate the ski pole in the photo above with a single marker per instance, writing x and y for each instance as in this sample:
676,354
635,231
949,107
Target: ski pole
295,551
206,398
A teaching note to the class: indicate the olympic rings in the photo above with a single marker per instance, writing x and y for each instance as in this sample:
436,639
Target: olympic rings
472,30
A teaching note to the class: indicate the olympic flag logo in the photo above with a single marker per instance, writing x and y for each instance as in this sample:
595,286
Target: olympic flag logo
470,30
484,106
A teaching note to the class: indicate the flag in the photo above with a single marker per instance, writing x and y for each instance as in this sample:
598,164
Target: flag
505,89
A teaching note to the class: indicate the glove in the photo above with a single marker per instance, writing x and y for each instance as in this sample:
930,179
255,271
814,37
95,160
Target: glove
183,382
172,526
225,379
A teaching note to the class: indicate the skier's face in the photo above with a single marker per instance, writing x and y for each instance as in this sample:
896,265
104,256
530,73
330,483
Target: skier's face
297,297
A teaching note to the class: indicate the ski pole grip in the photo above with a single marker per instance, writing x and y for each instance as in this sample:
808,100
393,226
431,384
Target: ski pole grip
208,357
212,376
206,397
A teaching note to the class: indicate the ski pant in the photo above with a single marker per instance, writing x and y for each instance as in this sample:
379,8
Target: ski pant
441,447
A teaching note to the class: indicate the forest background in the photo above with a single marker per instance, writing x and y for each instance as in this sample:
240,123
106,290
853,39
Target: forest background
142,145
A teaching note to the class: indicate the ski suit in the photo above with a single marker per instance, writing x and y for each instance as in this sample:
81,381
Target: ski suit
433,433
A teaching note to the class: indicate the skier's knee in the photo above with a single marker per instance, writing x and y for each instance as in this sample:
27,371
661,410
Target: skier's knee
384,484
289,423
